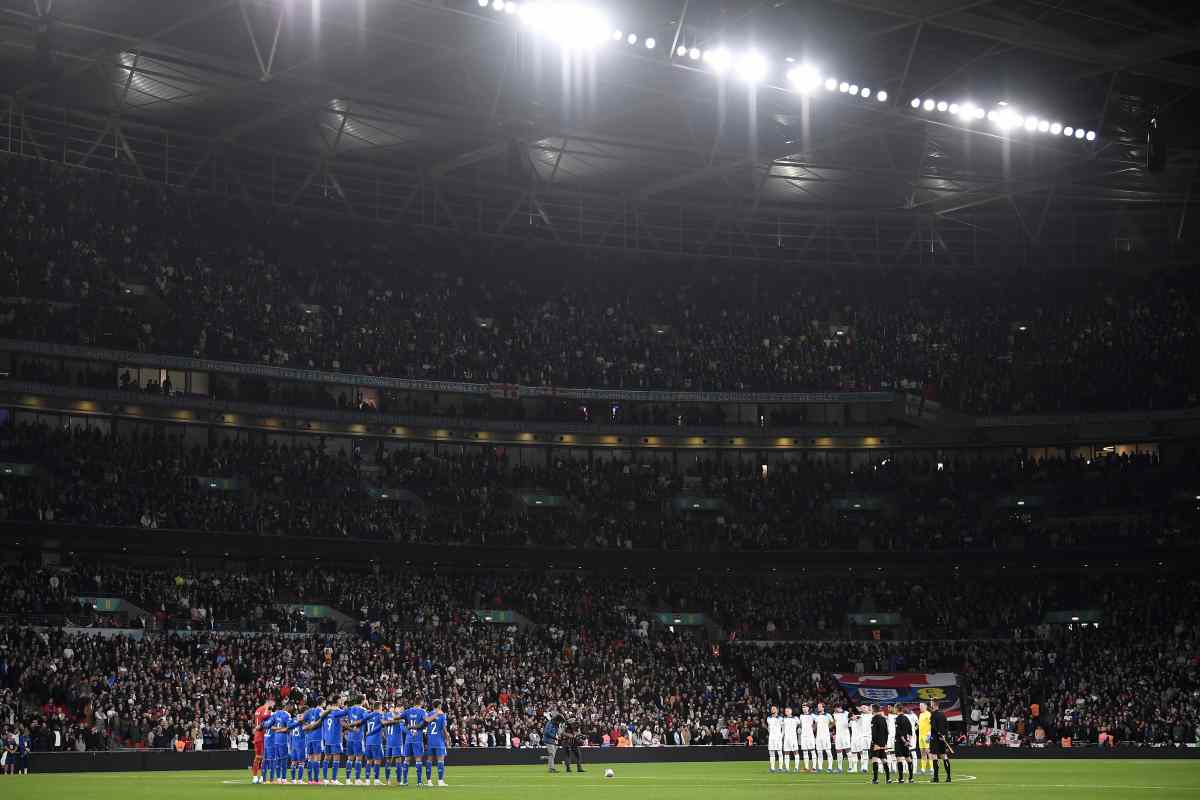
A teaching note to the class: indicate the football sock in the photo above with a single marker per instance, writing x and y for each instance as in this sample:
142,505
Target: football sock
875,770
947,765
442,770
935,769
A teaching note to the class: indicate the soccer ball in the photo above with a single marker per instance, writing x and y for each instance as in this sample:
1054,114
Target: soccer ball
608,773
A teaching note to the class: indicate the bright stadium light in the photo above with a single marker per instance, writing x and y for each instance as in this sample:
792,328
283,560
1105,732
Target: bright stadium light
650,43
928,105
1031,123
498,5
954,109
631,38
831,84
681,51
484,3
1056,128
978,113
993,116
618,35
1079,133
864,93
752,67
843,87
694,54
942,105
1091,136
1043,125
510,7
966,111
881,96
916,102
719,59
853,89
804,78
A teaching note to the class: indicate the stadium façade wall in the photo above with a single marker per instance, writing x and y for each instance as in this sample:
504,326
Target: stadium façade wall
165,760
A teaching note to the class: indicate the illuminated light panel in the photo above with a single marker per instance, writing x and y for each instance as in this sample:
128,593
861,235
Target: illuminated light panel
1031,123
681,51
752,67
1068,131
484,3
510,7
498,5
916,102
1043,125
650,43
953,109
928,105
1091,136
853,88
694,54
843,87
719,59
631,38
864,93
942,105
881,96
804,78
618,35
831,84
1056,128
1079,134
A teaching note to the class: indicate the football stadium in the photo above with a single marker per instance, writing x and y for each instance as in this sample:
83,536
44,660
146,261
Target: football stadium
599,398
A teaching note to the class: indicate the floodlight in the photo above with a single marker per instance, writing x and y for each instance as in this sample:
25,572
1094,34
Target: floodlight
510,7
498,5
719,59
631,38
681,51
1079,133
916,102
752,67
978,113
831,84
1056,128
618,35
694,54
843,87
484,3
928,105
1031,123
993,116
804,78
954,109
854,88
966,111
650,43
1043,125
942,105
881,96
865,92
1091,136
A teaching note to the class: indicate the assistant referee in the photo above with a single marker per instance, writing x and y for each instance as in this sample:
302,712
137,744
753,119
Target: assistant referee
939,741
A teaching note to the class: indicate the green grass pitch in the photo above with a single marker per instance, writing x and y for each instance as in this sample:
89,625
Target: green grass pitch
1025,779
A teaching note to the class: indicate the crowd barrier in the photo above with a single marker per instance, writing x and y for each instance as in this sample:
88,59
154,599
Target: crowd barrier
165,760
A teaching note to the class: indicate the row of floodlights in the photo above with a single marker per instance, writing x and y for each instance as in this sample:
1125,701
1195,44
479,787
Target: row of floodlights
583,26
1003,117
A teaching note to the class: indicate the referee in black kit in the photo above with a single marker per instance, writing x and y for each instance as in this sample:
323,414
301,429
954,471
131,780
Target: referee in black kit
879,737
939,740
904,732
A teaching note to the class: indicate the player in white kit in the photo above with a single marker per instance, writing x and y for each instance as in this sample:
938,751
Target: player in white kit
823,721
864,738
912,745
890,716
841,735
775,737
791,728
808,739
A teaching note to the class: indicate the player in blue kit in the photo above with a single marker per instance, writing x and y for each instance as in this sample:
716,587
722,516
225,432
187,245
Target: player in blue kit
393,726
435,732
414,741
296,744
373,740
276,741
331,742
312,719
354,739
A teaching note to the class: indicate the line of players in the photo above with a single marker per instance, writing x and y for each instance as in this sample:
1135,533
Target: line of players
842,741
307,741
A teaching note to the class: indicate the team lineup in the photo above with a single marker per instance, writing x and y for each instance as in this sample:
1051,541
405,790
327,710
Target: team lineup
885,737
305,742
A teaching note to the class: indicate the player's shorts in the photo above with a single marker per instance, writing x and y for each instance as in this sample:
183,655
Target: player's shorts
354,747
808,744
393,750
414,748
332,748
436,749
296,751
824,744
937,747
312,747
902,750
373,751
841,742
774,744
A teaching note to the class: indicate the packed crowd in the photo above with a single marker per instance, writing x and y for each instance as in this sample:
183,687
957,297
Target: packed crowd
464,497
587,652
93,260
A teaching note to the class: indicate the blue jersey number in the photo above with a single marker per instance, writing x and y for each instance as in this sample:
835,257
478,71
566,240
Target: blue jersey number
433,728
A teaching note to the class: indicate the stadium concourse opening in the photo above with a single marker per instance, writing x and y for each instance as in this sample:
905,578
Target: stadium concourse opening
662,397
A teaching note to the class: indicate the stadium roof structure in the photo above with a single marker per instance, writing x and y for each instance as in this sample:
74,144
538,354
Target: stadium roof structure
453,116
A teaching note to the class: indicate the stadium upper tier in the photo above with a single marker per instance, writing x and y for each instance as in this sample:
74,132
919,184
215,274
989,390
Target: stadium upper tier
94,260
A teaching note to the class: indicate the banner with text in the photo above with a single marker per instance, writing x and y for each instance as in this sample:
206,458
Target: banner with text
905,688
